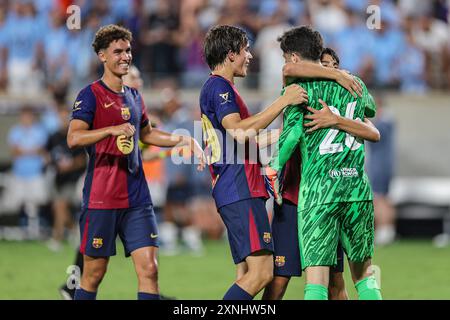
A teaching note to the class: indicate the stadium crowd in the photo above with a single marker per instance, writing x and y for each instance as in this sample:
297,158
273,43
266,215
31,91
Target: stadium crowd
409,50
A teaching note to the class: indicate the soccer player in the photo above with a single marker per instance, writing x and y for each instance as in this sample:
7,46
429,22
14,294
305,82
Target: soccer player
335,198
108,118
238,184
285,236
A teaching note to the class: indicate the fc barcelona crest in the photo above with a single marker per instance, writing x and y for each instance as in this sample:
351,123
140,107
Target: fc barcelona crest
97,243
267,237
125,112
280,261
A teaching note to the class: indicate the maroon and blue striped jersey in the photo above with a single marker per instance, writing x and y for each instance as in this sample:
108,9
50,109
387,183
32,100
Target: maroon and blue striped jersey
235,168
115,178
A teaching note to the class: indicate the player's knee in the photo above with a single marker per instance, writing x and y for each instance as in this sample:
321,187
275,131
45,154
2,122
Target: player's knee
149,271
95,276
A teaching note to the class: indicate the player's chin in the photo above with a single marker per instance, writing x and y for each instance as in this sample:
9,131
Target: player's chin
123,70
242,73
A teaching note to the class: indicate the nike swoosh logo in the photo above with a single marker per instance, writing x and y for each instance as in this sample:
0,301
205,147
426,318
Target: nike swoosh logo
108,105
153,236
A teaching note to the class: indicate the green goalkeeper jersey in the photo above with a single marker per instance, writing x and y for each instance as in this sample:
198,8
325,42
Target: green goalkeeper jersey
332,160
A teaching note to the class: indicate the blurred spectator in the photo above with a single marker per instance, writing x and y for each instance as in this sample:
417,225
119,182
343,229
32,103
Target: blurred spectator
50,119
158,45
238,13
388,42
412,68
353,44
389,12
28,187
268,50
180,179
190,39
432,36
413,8
35,45
82,60
328,16
3,49
68,166
291,8
57,69
380,169
22,41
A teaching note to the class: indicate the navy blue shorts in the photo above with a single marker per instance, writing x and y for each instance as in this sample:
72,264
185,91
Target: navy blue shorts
248,227
285,241
136,228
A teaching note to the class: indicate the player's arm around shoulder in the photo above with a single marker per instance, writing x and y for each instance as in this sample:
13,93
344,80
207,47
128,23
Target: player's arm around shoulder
325,118
307,69
244,129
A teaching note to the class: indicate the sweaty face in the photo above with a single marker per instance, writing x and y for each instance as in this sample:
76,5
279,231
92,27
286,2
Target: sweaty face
241,62
117,57
328,61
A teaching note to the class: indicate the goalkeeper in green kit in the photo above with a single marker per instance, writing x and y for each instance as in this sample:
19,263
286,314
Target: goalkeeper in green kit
335,198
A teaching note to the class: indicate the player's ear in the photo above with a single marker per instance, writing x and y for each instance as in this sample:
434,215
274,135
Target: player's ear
295,58
231,55
102,56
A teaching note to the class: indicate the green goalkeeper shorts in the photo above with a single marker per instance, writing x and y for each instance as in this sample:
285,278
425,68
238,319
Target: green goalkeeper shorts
321,227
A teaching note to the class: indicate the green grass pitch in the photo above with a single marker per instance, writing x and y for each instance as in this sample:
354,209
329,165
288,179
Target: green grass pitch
28,270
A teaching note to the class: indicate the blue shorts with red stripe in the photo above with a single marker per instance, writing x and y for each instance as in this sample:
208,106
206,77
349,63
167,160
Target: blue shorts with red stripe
285,241
136,228
248,227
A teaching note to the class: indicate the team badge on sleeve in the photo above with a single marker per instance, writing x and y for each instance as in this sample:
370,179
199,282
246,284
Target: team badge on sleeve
225,96
97,243
125,112
267,237
76,105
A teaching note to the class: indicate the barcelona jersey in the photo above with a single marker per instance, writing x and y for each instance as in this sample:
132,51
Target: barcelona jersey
235,168
115,178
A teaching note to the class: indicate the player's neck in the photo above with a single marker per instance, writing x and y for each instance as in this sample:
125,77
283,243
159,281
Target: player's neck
113,82
224,72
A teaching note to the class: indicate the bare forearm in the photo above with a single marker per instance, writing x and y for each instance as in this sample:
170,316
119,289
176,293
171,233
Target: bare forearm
83,138
250,127
358,129
306,69
163,139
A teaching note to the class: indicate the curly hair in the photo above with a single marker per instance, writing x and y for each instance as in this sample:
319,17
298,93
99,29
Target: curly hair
220,40
107,34
304,41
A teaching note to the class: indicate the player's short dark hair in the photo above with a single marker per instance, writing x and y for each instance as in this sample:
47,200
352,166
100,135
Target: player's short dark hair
220,40
107,34
304,41
332,53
